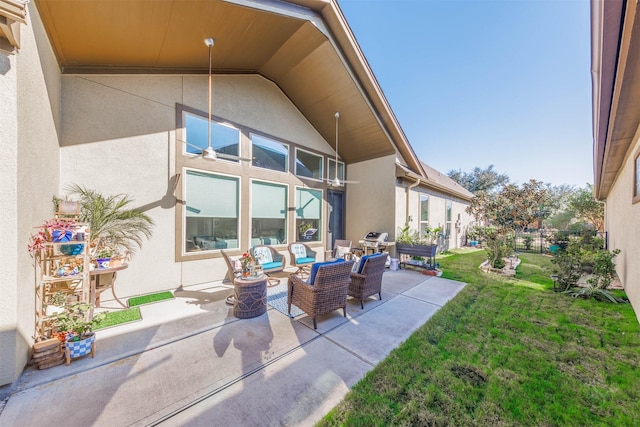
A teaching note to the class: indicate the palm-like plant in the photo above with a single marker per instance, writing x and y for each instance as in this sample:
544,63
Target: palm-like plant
112,222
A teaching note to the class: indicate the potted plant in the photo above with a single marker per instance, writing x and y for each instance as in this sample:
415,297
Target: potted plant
103,257
55,303
114,225
409,242
76,323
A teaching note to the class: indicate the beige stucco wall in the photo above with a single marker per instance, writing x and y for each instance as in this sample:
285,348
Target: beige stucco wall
437,212
371,202
622,222
29,175
118,136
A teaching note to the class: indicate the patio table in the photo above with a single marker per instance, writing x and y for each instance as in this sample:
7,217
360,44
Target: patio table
250,296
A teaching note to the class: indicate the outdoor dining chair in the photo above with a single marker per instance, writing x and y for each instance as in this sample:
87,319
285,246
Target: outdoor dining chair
367,280
324,291
302,256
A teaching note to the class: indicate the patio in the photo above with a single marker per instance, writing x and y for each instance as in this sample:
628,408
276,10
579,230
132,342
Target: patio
190,361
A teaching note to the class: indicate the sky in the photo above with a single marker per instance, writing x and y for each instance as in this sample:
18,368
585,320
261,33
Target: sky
475,83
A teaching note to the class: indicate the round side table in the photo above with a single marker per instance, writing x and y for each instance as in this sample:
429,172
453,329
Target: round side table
250,296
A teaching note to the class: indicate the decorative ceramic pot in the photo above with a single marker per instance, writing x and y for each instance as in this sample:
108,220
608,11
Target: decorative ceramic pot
80,348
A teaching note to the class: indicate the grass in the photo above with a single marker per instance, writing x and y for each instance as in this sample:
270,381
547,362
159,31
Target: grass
114,318
506,351
149,298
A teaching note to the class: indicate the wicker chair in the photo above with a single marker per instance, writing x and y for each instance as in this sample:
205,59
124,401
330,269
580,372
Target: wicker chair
342,249
368,281
270,260
302,256
327,293
233,272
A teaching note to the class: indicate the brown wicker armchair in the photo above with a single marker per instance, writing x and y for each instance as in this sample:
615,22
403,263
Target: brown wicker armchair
369,280
327,293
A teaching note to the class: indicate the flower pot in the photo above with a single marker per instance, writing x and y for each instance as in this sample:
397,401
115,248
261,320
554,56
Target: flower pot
71,249
61,235
103,262
74,349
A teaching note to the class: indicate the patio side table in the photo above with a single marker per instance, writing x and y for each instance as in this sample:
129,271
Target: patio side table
250,296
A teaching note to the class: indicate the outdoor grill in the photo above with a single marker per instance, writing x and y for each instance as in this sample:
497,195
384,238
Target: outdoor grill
374,242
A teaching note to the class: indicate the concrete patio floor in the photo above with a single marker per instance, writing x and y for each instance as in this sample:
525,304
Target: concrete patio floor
191,362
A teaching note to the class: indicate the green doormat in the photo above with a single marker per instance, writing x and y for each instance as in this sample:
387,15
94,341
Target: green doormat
114,318
146,299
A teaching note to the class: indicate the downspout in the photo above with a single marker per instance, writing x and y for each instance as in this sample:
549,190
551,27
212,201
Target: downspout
408,191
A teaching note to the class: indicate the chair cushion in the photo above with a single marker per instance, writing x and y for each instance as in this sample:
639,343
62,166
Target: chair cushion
316,266
356,264
305,260
271,265
364,259
341,251
298,251
263,255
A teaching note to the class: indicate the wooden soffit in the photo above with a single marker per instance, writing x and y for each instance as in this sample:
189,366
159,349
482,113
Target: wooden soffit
304,46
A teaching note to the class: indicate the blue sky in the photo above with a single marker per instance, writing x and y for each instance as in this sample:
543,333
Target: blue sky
475,83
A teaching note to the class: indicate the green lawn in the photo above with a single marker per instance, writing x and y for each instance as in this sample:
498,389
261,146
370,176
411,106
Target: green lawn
506,352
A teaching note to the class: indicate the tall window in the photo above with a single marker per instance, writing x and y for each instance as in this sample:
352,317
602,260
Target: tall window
308,164
424,214
211,217
225,139
331,170
269,154
268,213
448,219
308,214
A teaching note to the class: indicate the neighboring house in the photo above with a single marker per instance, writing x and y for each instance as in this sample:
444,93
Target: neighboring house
120,106
615,67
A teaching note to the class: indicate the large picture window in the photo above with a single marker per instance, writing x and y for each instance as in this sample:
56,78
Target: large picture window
308,214
211,217
424,214
309,165
269,154
268,213
225,139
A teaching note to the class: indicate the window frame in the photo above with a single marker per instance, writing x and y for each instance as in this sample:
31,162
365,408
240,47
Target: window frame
448,215
321,232
286,209
183,212
187,111
295,162
341,177
274,140
420,220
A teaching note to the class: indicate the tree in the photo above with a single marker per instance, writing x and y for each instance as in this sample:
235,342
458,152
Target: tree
586,207
509,210
479,179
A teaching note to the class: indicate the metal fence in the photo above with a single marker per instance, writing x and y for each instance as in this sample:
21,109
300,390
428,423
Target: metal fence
543,241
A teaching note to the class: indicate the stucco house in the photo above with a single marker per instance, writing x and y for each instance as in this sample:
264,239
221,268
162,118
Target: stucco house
615,68
114,96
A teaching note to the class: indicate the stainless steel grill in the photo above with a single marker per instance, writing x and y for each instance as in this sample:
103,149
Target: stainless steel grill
375,241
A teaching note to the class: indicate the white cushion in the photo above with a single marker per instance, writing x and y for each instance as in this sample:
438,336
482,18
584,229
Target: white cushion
341,251
298,250
356,264
263,255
